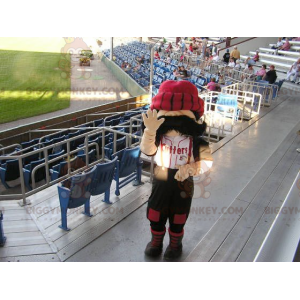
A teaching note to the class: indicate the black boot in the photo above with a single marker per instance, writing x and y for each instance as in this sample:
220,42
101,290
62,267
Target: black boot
154,248
174,249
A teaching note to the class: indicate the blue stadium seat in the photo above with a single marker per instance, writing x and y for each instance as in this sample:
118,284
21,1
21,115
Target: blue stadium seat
9,171
75,192
129,166
103,178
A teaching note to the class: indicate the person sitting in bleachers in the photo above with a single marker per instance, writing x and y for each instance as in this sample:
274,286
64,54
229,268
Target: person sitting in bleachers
294,71
141,59
238,65
279,44
271,75
226,57
212,85
231,63
190,50
156,55
176,73
285,47
248,73
169,48
297,39
168,59
261,73
182,72
213,48
256,56
249,61
215,58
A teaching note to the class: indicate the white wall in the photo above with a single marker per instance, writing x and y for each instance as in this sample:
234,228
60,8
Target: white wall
250,45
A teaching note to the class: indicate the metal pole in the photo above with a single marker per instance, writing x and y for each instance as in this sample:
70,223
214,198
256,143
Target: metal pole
151,69
24,202
111,48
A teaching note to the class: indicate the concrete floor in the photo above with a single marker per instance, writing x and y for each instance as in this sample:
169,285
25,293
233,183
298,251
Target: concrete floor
235,165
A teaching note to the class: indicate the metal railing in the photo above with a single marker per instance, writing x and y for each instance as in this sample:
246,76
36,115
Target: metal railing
67,155
268,92
248,102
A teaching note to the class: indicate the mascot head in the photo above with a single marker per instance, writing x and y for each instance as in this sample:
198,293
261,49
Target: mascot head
181,107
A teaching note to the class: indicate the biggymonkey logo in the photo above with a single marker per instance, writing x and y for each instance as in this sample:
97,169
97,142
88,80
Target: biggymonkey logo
71,56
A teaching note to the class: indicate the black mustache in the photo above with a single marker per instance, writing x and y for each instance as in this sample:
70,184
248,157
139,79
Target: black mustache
181,124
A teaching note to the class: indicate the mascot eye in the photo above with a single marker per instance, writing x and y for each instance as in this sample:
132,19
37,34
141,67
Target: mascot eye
71,51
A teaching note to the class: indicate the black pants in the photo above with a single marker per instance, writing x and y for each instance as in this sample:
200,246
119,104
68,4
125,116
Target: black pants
171,200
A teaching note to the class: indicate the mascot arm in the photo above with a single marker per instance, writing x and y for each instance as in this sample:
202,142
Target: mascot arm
197,167
151,123
147,145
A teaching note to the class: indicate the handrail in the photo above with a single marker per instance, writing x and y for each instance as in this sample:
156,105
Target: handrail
10,146
251,85
67,154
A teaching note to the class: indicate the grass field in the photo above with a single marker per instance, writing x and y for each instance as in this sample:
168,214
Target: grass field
31,78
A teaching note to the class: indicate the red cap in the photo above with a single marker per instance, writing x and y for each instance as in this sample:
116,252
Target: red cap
178,95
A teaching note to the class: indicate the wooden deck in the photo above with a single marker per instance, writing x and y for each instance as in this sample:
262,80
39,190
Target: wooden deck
33,234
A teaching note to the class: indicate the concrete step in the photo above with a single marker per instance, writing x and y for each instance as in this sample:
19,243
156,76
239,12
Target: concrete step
288,60
278,65
286,53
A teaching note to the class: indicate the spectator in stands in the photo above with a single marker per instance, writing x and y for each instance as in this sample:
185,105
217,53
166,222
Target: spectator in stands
169,48
215,58
168,59
156,55
285,47
256,56
270,75
238,65
249,61
182,45
248,73
235,54
124,64
191,50
226,57
294,71
204,45
176,73
261,73
141,59
182,72
213,48
297,39
212,86
207,54
221,80
279,44
231,63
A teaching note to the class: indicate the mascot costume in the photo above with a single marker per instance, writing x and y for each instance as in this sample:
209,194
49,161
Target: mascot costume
172,132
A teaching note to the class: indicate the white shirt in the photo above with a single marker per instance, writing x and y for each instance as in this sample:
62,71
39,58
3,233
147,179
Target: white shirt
231,64
174,150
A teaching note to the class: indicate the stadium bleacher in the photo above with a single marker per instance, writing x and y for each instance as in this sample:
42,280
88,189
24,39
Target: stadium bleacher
282,60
